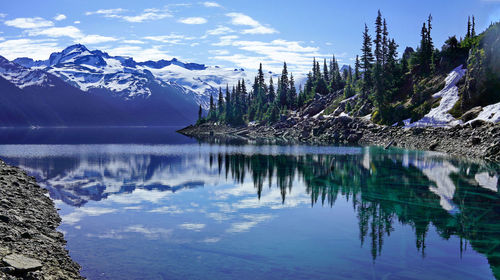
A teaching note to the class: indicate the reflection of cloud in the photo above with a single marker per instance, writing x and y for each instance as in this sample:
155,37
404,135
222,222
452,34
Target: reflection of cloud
195,227
486,181
139,196
150,233
167,210
211,240
133,208
253,220
80,213
219,217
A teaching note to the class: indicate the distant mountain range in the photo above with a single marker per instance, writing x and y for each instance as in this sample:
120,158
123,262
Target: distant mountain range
79,87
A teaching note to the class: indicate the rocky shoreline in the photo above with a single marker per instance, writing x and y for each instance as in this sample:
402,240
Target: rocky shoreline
30,247
478,139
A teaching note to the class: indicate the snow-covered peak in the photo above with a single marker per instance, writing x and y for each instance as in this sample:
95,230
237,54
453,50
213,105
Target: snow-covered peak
21,76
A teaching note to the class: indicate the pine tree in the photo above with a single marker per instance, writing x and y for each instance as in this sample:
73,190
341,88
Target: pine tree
292,93
473,31
284,87
212,105
366,61
357,66
385,43
468,28
228,105
326,75
315,73
378,39
272,94
200,111
220,101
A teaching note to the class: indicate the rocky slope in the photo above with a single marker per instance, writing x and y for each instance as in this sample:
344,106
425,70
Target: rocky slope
30,247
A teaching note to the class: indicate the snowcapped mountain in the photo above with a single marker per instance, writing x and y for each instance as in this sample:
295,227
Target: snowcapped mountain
21,76
123,76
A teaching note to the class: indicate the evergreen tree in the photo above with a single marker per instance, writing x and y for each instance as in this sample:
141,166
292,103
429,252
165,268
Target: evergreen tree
378,39
272,94
366,62
385,43
212,105
468,28
228,105
292,93
473,31
326,74
200,112
283,94
357,66
336,82
220,101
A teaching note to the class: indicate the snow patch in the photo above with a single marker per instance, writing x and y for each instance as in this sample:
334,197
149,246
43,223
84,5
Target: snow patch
439,116
490,113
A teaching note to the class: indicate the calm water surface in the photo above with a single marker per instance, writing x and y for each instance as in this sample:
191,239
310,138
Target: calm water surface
151,204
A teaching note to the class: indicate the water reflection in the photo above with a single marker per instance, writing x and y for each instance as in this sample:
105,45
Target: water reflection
386,190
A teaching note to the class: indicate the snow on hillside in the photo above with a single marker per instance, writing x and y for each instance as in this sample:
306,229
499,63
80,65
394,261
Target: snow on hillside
439,116
20,76
490,113
202,82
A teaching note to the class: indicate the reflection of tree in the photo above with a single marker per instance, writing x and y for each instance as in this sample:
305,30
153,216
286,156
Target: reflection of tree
389,188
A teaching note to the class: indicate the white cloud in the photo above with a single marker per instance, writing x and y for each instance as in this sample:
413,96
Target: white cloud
219,52
133,42
76,22
60,17
220,30
2,38
27,23
106,12
146,15
67,31
2,15
140,54
36,49
194,44
72,32
257,28
272,54
193,20
211,4
174,39
226,40
95,39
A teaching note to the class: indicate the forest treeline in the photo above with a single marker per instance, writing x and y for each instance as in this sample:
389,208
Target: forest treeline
382,83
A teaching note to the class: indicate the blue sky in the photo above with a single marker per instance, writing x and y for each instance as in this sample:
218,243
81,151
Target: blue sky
227,33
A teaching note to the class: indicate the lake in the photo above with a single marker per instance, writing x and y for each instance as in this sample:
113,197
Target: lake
148,203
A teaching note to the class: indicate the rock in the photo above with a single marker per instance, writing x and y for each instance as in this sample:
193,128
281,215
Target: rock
471,114
433,146
4,219
417,130
477,123
475,140
22,263
354,138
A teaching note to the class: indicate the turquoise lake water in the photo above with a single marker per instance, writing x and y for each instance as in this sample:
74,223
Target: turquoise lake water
152,204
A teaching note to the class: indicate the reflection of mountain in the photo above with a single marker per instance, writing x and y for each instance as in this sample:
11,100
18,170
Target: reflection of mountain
77,181
420,190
